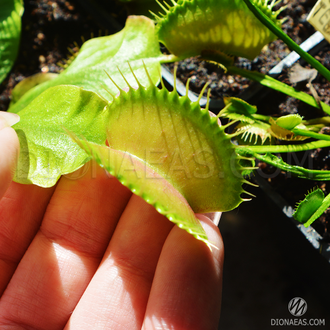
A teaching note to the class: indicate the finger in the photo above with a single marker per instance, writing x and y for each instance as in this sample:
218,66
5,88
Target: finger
66,252
16,233
117,296
186,291
21,211
9,149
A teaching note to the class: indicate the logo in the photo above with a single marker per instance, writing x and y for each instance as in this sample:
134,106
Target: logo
297,306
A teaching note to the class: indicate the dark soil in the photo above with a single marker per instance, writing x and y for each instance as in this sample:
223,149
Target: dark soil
54,30
296,26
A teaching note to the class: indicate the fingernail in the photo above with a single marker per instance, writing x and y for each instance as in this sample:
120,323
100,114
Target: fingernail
8,119
214,217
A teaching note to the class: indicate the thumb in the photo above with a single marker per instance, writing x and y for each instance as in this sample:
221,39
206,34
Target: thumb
9,149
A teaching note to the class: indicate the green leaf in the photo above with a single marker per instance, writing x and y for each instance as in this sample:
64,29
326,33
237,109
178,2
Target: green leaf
239,106
26,84
318,212
147,183
300,172
309,206
188,28
136,43
10,31
282,133
253,133
47,151
290,147
309,133
289,121
180,141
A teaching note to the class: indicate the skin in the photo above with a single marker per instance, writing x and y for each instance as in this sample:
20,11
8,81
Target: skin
89,254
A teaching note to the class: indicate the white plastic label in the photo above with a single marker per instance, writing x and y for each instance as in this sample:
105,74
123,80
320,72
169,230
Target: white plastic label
319,17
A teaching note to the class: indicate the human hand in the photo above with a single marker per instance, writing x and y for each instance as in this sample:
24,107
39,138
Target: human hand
89,254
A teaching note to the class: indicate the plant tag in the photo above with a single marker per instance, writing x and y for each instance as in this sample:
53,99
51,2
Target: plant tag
319,17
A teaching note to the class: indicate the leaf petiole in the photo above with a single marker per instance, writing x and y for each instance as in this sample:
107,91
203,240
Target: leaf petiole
310,134
300,172
283,148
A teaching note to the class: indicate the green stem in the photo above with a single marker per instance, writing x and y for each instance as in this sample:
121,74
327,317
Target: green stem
286,39
304,132
263,118
284,148
300,172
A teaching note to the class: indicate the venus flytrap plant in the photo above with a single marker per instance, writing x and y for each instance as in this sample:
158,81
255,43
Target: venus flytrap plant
197,161
174,154
48,107
286,128
163,147
203,33
312,207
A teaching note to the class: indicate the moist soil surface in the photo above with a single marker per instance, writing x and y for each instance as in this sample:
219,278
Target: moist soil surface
53,31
